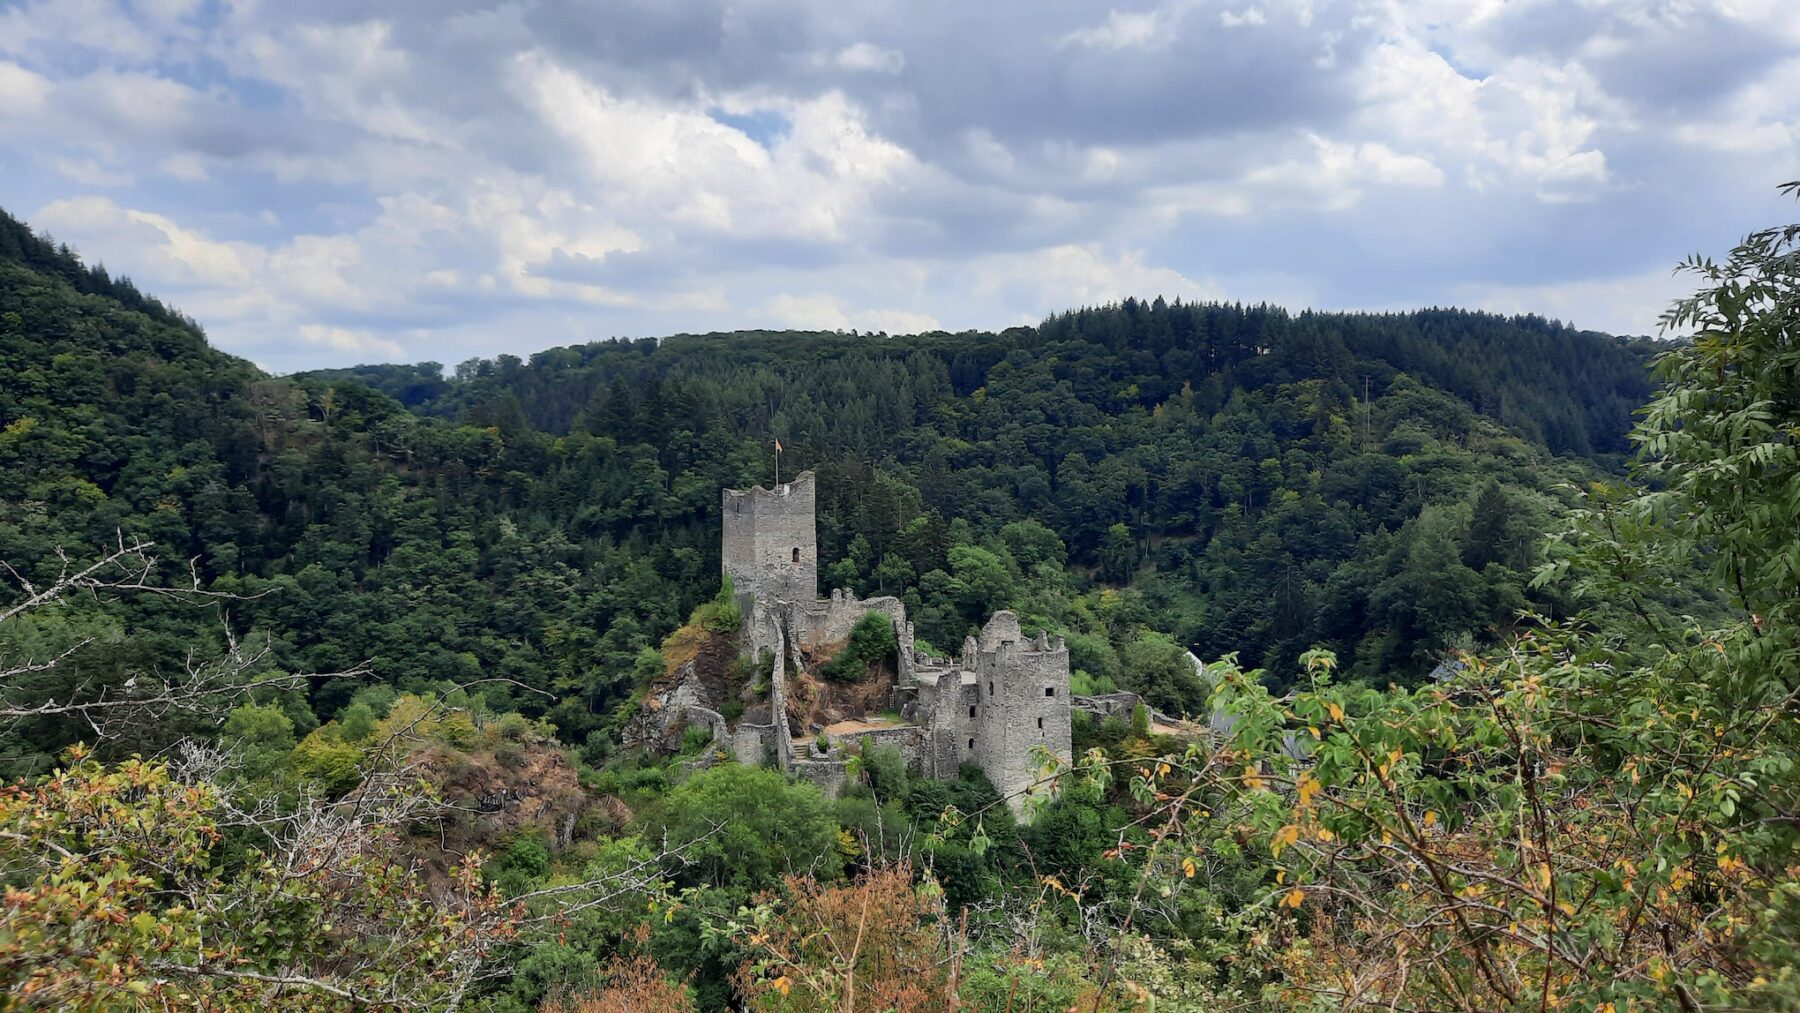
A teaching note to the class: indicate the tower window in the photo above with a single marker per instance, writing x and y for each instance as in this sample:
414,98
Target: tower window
1049,690
971,743
1040,722
971,712
990,687
796,553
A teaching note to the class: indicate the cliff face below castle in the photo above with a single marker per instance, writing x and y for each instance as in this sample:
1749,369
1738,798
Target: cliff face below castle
814,702
708,684
703,685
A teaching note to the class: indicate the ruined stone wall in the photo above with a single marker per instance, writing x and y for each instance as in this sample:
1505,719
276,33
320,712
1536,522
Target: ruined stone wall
829,620
761,630
1023,689
964,716
937,707
829,774
784,741
992,706
912,742
904,636
753,745
770,544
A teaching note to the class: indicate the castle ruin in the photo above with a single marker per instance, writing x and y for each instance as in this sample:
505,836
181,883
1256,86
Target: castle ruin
995,704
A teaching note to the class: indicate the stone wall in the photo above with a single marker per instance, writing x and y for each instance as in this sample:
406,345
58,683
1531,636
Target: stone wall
828,773
1022,688
784,741
829,620
1004,696
945,705
910,740
770,542
753,744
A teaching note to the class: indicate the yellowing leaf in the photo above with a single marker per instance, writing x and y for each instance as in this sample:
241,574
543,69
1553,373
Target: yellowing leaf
1308,787
1294,898
1283,837
1337,713
1188,868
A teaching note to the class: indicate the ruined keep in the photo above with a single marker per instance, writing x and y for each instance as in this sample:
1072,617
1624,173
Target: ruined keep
994,705
771,546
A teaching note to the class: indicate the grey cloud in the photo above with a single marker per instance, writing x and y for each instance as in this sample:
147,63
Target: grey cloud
999,66
1689,66
1652,54
999,106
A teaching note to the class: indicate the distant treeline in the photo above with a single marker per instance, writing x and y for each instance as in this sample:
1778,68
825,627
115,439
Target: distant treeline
1142,477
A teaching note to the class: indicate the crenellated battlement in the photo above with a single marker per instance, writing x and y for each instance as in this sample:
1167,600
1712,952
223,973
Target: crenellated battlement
770,545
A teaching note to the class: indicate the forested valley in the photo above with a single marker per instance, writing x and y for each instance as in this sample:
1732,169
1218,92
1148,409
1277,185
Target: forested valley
270,645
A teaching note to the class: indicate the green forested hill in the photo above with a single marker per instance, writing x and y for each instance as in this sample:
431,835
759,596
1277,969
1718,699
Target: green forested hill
1572,391
1139,476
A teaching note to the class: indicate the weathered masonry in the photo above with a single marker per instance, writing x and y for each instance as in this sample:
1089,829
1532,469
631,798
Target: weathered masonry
771,547
1001,704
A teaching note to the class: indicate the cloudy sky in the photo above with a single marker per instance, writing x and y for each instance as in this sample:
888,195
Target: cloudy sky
341,181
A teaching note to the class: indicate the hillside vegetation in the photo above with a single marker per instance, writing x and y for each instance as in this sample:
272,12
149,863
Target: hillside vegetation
347,736
1236,478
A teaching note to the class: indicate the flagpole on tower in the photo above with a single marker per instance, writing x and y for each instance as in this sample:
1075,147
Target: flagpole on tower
778,462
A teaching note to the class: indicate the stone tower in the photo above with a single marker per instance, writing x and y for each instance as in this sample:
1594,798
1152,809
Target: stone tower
1022,702
771,544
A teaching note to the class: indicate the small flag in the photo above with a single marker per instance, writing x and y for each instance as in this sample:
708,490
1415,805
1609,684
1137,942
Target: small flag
778,446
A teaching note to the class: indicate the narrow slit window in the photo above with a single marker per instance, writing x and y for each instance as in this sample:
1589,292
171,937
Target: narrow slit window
990,688
971,712
796,553
1040,722
971,743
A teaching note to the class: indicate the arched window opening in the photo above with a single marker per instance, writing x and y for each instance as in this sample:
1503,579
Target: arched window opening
796,553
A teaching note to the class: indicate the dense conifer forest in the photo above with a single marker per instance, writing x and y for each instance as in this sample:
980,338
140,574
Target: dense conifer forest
1238,479
1408,540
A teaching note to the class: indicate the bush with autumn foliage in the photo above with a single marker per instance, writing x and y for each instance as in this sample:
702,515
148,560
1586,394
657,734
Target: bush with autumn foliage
119,895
